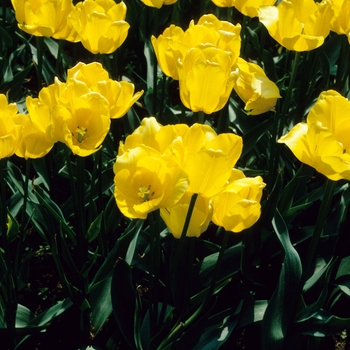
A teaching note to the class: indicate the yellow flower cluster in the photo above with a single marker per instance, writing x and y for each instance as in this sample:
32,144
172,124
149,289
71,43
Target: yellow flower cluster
76,112
204,59
99,24
161,167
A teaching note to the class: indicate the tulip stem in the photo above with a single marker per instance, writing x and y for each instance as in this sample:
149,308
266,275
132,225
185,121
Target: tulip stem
77,203
216,270
39,53
155,65
244,35
200,117
280,122
10,298
23,217
343,66
287,99
320,222
180,327
154,271
58,58
177,256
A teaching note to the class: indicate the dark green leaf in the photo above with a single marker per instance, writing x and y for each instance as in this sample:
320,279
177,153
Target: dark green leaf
280,312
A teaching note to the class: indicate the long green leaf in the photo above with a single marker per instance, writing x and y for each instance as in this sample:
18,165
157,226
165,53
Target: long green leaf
280,312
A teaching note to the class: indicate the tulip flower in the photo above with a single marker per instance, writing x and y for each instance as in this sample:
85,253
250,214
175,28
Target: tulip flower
33,143
45,18
152,134
100,24
206,78
174,44
158,3
145,182
10,133
298,25
175,216
238,207
36,140
253,86
167,57
206,158
247,7
93,77
341,20
323,141
82,124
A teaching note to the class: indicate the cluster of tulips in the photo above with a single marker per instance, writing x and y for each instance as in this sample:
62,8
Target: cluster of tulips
77,113
208,52
99,25
163,167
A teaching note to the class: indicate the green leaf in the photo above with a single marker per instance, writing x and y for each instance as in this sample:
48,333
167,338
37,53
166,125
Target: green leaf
53,312
101,303
221,326
95,228
343,283
252,312
12,228
323,324
55,211
251,138
119,250
280,312
23,316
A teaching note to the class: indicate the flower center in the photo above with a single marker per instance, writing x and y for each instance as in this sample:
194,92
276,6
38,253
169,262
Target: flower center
144,193
81,131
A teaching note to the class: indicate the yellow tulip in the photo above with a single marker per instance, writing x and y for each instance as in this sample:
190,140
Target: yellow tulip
227,35
167,56
207,158
253,86
174,44
175,216
152,134
120,95
100,24
323,141
247,7
158,3
341,20
82,123
206,79
10,133
45,18
298,25
36,140
145,182
33,143
238,207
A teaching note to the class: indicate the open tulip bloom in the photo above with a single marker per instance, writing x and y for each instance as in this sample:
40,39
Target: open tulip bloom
323,141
